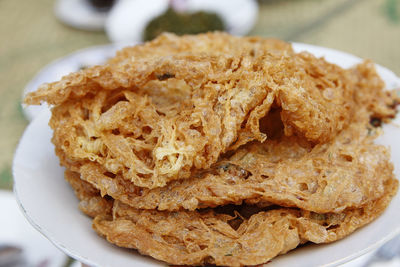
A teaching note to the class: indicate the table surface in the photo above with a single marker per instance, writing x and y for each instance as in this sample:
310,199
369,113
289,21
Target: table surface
31,37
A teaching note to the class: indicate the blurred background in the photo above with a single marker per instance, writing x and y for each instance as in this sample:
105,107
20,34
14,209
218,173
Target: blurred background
36,33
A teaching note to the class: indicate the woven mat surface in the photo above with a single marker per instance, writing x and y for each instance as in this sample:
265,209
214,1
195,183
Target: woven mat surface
31,37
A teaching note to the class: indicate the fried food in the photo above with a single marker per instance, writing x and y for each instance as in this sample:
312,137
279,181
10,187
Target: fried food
159,111
91,203
347,172
230,235
156,112
214,149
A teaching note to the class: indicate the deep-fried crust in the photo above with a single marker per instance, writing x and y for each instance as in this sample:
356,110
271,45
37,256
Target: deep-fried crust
91,203
210,237
229,235
214,149
156,117
346,172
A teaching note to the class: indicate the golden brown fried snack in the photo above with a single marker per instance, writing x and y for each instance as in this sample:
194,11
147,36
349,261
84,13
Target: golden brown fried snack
91,203
230,235
243,237
381,104
169,44
347,172
157,116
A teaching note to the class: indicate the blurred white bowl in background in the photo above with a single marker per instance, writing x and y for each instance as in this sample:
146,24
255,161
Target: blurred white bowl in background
80,14
128,18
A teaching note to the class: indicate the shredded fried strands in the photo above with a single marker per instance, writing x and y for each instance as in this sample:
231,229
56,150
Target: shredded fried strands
229,235
346,172
91,203
215,149
159,111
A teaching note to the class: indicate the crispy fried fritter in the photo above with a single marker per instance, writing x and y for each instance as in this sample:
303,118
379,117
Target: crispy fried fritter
91,203
214,149
159,111
346,172
169,44
211,237
382,104
229,235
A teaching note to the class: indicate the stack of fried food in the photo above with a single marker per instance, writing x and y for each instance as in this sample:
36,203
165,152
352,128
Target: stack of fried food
214,149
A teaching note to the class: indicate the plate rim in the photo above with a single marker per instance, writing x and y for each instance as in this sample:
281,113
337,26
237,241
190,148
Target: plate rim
72,253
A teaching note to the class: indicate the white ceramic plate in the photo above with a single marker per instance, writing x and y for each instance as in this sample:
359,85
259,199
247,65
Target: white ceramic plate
15,231
51,207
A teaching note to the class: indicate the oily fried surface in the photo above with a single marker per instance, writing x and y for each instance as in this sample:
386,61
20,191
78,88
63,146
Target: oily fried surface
244,236
346,172
215,149
170,44
159,111
229,235
90,201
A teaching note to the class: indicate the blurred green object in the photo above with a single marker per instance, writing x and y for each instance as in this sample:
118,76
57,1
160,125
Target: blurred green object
183,23
392,10
69,262
6,179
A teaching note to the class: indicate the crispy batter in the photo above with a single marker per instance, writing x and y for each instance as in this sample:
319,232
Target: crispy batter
230,235
159,111
168,44
382,104
91,203
214,149
346,172
210,237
